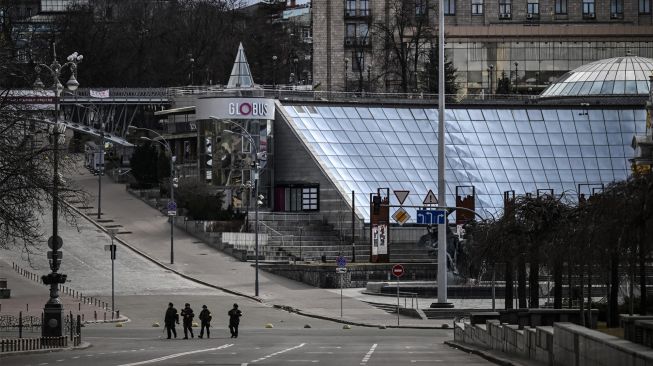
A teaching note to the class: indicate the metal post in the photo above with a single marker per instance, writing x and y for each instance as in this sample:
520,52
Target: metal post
494,297
398,300
442,227
256,172
100,173
172,199
113,257
341,275
353,225
300,243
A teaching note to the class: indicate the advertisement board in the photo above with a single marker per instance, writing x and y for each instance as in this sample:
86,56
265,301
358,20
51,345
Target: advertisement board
235,108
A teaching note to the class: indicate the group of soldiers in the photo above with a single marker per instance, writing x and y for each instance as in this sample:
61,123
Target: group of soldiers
187,315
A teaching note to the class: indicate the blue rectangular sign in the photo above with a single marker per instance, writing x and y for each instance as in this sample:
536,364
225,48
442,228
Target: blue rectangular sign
431,217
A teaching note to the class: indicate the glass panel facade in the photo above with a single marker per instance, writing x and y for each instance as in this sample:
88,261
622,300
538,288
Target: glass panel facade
494,150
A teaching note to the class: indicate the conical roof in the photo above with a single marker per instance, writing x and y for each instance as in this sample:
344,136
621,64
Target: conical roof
241,76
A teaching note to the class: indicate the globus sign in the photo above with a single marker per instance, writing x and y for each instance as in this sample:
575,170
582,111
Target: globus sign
235,108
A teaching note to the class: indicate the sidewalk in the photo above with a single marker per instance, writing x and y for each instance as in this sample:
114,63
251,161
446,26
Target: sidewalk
149,233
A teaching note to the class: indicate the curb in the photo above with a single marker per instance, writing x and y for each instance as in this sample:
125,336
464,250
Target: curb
146,256
482,353
82,346
290,309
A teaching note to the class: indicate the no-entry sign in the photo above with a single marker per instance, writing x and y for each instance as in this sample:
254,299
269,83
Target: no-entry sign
398,270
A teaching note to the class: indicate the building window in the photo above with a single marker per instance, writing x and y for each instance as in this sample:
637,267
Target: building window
356,34
364,7
297,198
645,6
449,7
359,61
533,8
351,8
561,6
477,7
420,7
505,8
588,8
616,8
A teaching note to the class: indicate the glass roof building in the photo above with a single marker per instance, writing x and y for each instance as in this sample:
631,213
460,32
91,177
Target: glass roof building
493,149
613,76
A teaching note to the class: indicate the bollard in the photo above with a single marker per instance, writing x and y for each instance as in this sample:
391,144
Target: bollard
79,328
105,316
95,315
79,306
20,324
27,307
117,313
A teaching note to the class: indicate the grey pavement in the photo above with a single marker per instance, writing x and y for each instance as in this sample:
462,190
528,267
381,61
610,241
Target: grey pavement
150,233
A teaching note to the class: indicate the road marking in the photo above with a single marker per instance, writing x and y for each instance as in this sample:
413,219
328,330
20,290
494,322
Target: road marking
330,347
277,353
313,361
368,354
321,352
76,357
422,352
177,355
414,361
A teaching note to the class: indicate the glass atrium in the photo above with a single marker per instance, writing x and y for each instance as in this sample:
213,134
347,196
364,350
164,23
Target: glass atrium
494,149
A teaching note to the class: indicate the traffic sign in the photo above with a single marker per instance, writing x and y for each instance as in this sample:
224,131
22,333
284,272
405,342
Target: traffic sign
172,213
401,216
401,196
172,206
341,270
341,261
398,270
430,198
55,244
431,217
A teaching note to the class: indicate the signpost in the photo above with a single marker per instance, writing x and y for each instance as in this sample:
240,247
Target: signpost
431,217
341,261
112,248
397,271
172,208
401,216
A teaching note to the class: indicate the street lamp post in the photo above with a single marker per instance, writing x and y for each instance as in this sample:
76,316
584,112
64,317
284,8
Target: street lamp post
112,250
163,142
274,71
256,158
100,173
491,79
346,69
516,77
369,78
53,309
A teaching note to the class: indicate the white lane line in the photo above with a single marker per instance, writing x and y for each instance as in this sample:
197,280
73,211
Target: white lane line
419,352
312,361
414,361
330,347
277,353
368,354
177,355
76,357
321,352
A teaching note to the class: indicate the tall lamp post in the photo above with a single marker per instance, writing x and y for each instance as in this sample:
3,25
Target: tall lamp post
274,71
346,69
256,159
163,142
53,309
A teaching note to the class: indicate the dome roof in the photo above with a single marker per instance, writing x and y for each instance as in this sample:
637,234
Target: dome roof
612,76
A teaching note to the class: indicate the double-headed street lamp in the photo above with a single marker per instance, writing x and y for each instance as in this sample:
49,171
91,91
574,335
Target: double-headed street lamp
53,310
256,159
163,142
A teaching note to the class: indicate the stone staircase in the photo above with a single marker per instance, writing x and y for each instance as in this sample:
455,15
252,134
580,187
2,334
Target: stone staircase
306,236
302,236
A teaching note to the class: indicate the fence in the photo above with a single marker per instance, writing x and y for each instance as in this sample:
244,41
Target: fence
72,330
245,241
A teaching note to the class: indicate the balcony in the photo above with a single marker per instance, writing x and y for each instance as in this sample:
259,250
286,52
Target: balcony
358,13
357,42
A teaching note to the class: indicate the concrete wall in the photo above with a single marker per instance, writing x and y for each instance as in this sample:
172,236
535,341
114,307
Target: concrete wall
563,344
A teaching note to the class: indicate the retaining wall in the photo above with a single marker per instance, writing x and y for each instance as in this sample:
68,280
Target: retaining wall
563,344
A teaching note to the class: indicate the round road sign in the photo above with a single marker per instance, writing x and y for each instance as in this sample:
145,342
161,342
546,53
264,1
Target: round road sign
398,270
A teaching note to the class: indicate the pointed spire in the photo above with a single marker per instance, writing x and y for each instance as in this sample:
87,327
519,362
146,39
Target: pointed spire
241,76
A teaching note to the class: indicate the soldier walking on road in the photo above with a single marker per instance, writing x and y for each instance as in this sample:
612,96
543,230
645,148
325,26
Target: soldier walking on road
205,318
188,315
170,319
234,320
